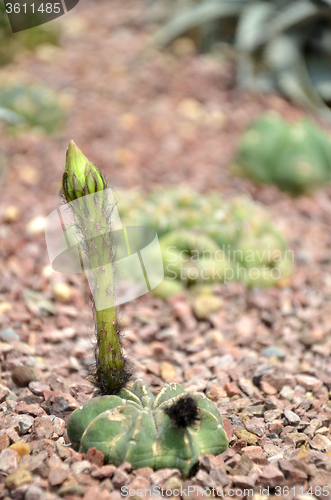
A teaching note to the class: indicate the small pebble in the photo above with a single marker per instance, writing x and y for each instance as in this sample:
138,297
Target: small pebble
167,371
273,352
36,226
34,493
23,375
8,460
25,423
38,388
287,393
18,478
205,305
62,292
292,417
9,334
71,488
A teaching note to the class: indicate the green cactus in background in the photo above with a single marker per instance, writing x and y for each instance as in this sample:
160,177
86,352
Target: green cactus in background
296,157
2,167
168,430
205,239
12,44
24,106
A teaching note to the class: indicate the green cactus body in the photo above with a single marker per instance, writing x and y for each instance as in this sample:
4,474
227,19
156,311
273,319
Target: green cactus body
215,270
206,239
296,157
134,426
167,288
183,255
305,162
36,106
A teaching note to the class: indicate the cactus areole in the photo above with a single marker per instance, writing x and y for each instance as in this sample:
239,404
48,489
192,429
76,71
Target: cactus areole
126,423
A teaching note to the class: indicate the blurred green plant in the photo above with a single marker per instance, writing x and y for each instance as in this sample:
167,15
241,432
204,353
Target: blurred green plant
205,239
12,44
281,44
25,106
294,156
2,167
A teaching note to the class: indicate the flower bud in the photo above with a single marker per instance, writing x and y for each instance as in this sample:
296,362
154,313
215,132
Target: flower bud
81,177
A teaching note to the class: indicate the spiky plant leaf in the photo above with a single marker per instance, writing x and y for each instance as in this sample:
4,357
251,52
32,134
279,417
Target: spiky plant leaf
273,40
292,15
10,117
284,56
252,24
197,16
319,69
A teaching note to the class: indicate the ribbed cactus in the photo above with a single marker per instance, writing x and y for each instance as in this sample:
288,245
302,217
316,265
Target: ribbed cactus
205,239
296,157
168,430
24,106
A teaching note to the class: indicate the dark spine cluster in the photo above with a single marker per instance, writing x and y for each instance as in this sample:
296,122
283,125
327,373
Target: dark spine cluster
184,412
115,380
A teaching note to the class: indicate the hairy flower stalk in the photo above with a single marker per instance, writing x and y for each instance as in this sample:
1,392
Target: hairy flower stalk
93,215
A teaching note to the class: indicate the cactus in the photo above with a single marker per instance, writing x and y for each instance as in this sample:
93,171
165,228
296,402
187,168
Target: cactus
280,44
37,106
296,157
169,430
12,44
205,239
128,424
168,288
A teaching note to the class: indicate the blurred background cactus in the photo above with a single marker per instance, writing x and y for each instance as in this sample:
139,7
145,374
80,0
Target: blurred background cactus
206,239
12,45
2,167
282,45
24,106
294,156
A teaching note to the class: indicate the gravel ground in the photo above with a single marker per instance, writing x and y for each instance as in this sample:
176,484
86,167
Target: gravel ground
263,357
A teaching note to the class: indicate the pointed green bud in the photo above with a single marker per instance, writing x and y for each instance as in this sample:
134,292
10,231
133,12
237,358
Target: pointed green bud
81,177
